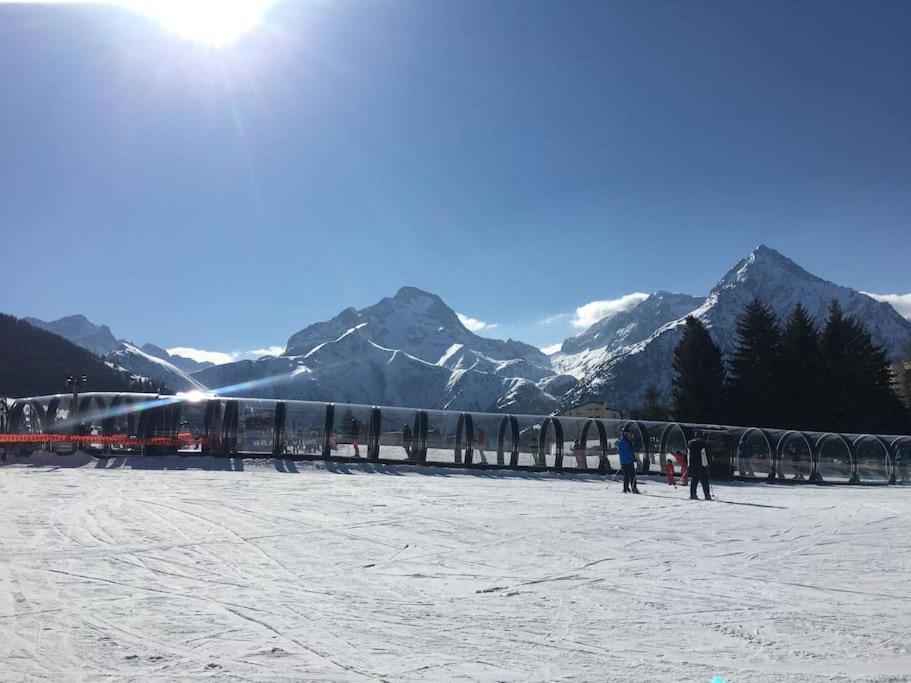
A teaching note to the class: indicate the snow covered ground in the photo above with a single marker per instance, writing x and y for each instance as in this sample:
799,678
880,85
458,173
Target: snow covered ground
168,568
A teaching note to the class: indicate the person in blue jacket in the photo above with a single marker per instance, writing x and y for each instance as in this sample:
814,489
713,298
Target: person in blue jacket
627,462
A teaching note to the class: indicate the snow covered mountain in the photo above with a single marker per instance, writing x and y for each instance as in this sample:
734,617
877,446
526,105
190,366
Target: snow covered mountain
621,378
182,362
581,354
409,350
418,323
138,362
81,331
149,361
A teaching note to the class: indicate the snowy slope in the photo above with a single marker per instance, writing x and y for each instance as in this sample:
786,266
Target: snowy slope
579,355
184,568
138,362
409,350
765,274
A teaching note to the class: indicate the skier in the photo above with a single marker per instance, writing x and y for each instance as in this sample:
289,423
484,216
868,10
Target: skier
698,465
684,470
902,460
669,472
356,436
482,441
794,452
407,440
579,455
627,462
746,459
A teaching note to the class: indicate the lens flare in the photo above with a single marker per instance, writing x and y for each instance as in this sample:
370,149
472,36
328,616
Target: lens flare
216,23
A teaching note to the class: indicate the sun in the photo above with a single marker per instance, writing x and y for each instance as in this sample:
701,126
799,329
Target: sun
216,23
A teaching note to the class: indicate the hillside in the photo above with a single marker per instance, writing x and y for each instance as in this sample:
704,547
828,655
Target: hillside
34,362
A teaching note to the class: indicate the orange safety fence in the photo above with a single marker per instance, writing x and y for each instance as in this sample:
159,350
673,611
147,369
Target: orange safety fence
182,441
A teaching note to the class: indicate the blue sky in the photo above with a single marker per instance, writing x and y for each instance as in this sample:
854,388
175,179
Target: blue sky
521,159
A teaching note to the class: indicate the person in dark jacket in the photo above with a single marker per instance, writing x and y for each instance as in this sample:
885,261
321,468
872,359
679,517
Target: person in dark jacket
408,440
627,462
698,456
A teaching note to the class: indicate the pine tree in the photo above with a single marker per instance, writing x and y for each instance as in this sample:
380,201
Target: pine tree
837,361
858,393
651,408
699,376
752,385
800,375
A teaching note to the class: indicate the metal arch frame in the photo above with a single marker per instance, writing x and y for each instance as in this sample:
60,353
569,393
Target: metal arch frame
646,443
328,425
50,417
212,426
779,448
464,424
229,424
373,433
665,437
773,460
817,478
16,414
604,466
111,419
513,424
558,441
85,402
889,457
419,436
278,430
893,445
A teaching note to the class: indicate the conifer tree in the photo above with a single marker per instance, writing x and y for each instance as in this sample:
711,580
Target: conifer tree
858,393
800,376
651,408
752,384
698,376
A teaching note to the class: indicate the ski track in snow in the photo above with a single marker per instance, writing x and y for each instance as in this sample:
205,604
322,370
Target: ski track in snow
311,571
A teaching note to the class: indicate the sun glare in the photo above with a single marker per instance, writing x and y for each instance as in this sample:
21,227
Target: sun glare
216,23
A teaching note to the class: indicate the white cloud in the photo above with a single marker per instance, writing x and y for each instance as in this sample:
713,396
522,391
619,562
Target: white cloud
900,302
203,356
553,348
475,325
592,312
268,351
550,320
222,357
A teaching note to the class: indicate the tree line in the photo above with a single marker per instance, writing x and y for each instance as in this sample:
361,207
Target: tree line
791,375
34,362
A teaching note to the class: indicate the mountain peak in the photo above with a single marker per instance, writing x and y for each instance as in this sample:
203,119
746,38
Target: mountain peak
409,293
764,263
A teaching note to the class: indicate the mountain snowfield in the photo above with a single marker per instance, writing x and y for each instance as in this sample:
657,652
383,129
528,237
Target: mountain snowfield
413,350
409,350
581,354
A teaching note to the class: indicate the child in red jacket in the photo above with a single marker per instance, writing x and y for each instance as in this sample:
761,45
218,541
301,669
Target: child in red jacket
669,472
684,470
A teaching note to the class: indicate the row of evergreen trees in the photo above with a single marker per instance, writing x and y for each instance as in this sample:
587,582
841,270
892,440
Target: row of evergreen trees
793,376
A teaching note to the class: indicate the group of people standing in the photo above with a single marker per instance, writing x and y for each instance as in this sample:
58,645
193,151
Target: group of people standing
693,467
